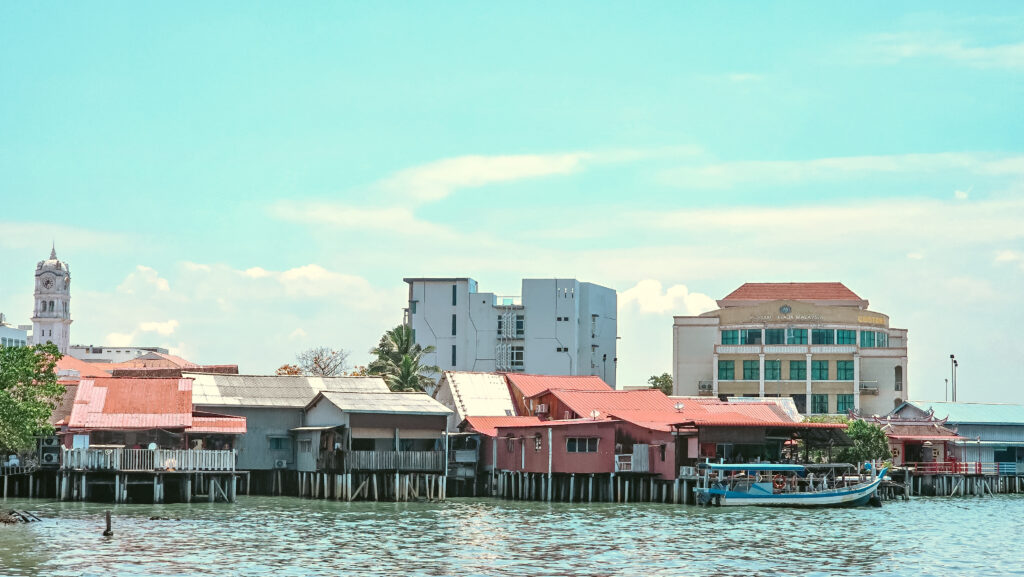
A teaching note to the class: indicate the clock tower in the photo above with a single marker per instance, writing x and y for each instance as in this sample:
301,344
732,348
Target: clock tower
51,319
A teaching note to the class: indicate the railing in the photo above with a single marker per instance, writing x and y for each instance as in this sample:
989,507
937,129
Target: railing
395,460
965,468
869,387
147,460
623,463
462,456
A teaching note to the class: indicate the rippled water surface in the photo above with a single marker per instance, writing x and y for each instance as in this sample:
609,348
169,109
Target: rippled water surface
285,536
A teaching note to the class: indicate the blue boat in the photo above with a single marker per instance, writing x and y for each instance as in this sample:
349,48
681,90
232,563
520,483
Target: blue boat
782,485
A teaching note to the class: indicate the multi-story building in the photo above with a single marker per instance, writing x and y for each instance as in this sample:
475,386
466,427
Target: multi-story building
555,327
815,342
12,336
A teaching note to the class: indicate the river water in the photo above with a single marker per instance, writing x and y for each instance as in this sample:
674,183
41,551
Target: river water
288,536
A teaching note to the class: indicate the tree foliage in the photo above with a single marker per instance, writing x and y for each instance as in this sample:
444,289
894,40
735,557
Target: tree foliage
869,443
288,370
662,382
400,361
323,362
29,392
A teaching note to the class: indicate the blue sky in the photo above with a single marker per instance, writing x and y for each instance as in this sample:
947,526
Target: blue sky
239,182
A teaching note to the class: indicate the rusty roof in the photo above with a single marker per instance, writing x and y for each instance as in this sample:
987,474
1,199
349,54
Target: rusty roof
489,425
214,423
115,403
533,385
69,363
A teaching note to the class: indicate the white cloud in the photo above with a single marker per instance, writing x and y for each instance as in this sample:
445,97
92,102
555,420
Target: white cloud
144,278
393,219
915,255
162,328
119,339
1010,257
647,297
297,334
730,174
961,194
896,47
437,180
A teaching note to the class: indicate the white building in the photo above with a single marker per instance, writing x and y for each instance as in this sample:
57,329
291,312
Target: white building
103,354
12,336
817,343
555,327
51,319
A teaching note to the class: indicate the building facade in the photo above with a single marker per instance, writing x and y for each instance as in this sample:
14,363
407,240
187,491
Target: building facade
51,319
815,342
102,354
555,327
12,336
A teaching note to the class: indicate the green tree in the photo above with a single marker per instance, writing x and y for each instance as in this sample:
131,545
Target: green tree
399,361
29,392
869,443
662,382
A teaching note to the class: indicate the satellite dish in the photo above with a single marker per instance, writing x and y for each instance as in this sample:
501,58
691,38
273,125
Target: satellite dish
594,414
152,446
679,407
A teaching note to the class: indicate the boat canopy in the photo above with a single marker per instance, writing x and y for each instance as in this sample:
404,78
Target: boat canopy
752,467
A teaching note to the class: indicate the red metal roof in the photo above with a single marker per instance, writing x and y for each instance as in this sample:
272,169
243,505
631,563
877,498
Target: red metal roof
69,363
489,425
115,403
797,291
214,423
533,385
609,401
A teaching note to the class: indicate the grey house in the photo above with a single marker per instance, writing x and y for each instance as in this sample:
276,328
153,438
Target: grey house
273,406
991,432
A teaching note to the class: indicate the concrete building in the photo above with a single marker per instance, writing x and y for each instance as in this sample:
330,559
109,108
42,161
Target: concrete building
51,319
815,342
555,327
104,354
13,336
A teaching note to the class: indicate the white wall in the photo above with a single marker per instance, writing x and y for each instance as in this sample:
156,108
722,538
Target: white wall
18,336
693,349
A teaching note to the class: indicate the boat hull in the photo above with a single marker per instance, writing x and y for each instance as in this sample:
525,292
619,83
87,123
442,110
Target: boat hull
854,496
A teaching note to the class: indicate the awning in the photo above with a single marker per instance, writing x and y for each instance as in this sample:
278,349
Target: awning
925,437
307,429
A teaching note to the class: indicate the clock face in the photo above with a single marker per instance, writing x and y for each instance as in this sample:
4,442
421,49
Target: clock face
48,283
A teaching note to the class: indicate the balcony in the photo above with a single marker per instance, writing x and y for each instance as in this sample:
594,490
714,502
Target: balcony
869,387
145,460
428,461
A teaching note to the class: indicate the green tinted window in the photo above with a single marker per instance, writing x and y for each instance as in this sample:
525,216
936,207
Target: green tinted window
844,403
844,370
751,370
867,339
797,370
823,337
846,337
750,336
726,370
819,403
819,370
730,337
796,336
773,370
774,336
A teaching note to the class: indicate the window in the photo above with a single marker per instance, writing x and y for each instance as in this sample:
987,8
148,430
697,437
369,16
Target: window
867,339
561,349
412,307
773,370
510,443
844,403
278,443
844,370
898,378
797,370
823,337
800,400
453,355
844,337
750,336
454,293
51,306
538,442
751,371
796,336
305,445
581,444
819,370
454,322
774,336
726,370
882,340
517,358
501,324
819,403
520,325
730,337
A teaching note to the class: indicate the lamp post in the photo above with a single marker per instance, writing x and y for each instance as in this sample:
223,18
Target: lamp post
947,388
956,365
952,374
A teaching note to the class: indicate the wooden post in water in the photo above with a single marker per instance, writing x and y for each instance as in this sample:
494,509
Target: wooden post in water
108,532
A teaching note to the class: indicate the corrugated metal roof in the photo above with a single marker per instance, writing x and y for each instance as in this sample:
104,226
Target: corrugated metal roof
213,423
388,402
272,390
63,409
974,413
533,385
583,402
479,394
67,362
489,425
113,403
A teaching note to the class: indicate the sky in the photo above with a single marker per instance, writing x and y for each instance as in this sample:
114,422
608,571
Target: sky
241,181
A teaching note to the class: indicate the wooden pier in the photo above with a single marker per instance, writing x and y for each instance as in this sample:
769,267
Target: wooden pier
376,476
960,479
124,475
621,487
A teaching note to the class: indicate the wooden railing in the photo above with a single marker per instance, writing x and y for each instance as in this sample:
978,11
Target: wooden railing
395,461
147,460
964,468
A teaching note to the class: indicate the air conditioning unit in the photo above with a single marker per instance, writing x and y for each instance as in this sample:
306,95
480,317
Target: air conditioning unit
50,459
542,409
50,442
280,464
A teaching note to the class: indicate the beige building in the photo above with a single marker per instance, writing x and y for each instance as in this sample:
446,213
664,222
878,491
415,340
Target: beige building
815,342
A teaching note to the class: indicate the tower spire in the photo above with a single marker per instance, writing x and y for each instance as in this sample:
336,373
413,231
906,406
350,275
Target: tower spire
53,251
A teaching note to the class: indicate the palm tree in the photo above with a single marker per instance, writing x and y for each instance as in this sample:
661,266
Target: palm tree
399,361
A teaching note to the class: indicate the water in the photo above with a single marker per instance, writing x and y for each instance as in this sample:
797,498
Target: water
287,536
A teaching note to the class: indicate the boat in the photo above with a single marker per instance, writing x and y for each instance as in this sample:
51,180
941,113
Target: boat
785,485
